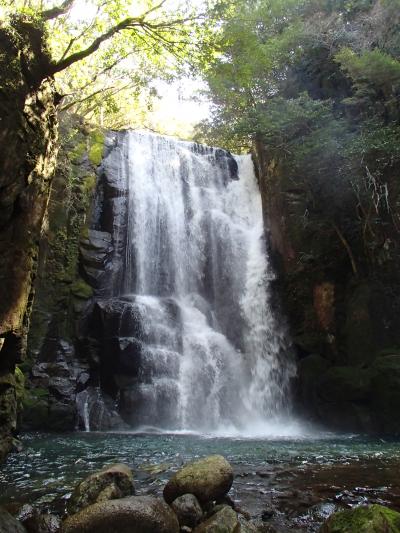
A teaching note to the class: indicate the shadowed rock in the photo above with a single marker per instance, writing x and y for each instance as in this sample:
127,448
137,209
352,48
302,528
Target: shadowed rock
135,514
223,521
9,524
188,510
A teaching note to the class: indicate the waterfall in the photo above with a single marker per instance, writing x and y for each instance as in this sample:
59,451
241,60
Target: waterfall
198,343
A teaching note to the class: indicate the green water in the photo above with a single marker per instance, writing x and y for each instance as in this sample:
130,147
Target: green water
299,481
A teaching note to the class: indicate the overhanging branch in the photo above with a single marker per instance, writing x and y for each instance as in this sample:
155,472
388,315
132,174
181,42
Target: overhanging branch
57,11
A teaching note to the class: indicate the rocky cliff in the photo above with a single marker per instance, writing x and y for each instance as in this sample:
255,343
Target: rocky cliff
343,307
55,368
28,139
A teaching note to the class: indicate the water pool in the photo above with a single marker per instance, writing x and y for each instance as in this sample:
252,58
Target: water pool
292,483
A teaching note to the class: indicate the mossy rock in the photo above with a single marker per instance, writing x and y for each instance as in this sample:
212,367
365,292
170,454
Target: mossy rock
19,384
223,521
309,371
78,152
112,482
385,393
372,519
96,147
208,479
35,408
81,290
346,416
343,383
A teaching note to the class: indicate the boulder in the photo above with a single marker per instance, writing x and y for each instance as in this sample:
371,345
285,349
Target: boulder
112,482
223,521
9,524
37,522
208,479
188,510
371,519
134,514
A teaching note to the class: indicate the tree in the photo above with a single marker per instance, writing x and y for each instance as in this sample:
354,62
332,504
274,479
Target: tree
103,54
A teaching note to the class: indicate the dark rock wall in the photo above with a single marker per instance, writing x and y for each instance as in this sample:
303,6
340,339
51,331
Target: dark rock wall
28,141
346,326
55,368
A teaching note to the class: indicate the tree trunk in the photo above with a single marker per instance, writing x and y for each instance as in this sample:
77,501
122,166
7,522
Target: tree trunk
28,141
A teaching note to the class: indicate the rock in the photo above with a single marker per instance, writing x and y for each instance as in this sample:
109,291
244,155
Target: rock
95,253
43,523
36,522
208,479
224,521
371,519
309,370
248,527
9,524
188,510
98,410
112,482
385,394
267,514
135,514
342,383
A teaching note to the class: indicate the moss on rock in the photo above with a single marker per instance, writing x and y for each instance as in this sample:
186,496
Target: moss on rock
208,479
96,140
372,519
81,290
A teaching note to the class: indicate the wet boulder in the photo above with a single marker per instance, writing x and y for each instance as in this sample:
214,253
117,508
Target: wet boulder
371,519
208,479
9,524
112,482
188,510
134,514
225,520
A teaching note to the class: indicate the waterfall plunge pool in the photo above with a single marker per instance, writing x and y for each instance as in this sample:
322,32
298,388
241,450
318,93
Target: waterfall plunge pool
294,483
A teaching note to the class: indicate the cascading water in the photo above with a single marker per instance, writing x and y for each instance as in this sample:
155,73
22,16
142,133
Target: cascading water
192,283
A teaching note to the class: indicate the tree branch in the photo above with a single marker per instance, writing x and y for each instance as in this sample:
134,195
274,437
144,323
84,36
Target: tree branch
129,23
57,11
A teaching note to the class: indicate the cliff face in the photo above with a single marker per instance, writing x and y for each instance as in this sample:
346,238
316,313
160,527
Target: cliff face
54,368
343,308
28,140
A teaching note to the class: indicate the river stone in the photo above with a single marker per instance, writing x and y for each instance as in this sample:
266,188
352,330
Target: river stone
371,519
36,522
208,479
112,482
188,510
9,524
224,521
134,514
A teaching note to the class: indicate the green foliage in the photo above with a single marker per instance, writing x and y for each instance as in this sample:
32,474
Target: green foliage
317,82
374,75
96,147
106,56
